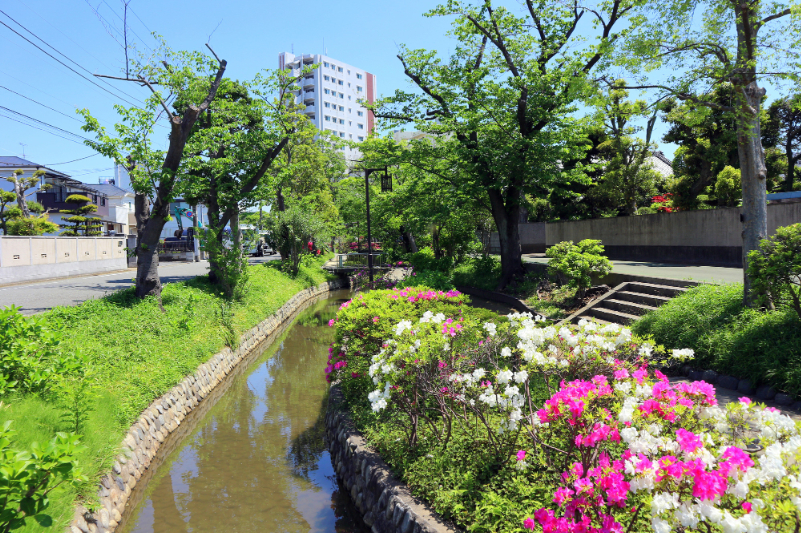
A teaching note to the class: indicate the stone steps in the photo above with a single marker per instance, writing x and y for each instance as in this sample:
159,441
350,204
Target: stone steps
630,300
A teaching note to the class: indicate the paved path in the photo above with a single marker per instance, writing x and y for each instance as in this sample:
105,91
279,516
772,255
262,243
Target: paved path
665,270
36,297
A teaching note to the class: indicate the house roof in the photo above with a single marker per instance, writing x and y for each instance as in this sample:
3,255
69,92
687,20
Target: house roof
661,163
12,161
110,190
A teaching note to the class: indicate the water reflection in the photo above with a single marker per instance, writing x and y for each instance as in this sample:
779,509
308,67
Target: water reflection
256,460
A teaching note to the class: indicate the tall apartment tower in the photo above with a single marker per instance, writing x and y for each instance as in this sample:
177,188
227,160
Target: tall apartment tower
333,94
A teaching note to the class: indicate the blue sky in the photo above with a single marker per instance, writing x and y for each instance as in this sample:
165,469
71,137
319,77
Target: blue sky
249,34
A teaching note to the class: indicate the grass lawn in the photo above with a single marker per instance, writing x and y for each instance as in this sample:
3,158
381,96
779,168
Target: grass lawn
136,353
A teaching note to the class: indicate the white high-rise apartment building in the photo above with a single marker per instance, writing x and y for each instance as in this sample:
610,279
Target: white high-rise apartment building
333,93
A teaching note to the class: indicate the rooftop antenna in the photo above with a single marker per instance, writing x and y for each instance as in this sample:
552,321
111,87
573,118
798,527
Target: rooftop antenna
23,149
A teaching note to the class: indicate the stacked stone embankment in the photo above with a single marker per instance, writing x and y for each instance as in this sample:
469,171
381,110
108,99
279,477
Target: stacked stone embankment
385,503
165,415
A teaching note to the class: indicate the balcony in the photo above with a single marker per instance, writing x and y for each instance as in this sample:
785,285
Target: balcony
308,82
310,109
308,97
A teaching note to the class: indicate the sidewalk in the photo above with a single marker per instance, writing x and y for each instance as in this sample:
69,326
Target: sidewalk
38,296
708,274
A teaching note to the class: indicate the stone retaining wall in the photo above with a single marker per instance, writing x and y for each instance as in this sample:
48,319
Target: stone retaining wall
165,415
385,503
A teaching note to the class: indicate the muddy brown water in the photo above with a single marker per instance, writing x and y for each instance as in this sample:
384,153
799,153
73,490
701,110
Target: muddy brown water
251,457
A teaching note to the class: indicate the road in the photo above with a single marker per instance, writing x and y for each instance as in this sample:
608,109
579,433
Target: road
708,274
36,297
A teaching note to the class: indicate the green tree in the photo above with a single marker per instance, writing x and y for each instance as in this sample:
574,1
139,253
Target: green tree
727,186
784,123
700,44
628,177
192,78
500,107
80,224
21,186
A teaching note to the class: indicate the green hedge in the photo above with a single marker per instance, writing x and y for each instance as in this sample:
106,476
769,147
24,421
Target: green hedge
764,347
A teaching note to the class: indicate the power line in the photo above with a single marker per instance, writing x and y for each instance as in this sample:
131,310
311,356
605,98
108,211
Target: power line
40,103
124,25
42,129
74,160
92,172
65,35
43,123
37,89
61,62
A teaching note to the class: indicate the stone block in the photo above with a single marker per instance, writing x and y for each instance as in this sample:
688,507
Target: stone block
710,376
766,393
783,399
728,382
696,375
745,387
796,406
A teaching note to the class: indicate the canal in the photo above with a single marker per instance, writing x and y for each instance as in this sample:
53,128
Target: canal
251,457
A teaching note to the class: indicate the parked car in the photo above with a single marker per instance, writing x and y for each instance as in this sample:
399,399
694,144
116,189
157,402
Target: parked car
260,244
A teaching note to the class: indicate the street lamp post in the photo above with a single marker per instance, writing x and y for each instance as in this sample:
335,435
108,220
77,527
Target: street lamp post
386,184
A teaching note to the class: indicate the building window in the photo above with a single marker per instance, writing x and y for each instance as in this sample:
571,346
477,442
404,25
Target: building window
326,78
102,201
358,88
342,108
328,118
348,97
360,113
342,134
350,135
342,121
361,138
358,76
348,84
325,64
327,91
326,104
342,95
340,69
361,126
348,71
341,83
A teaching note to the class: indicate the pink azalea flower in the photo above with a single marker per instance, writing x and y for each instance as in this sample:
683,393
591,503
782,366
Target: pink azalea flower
746,400
528,523
520,455
688,440
747,507
332,322
375,320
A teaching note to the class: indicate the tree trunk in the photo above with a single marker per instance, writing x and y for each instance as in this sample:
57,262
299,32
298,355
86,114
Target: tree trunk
435,242
195,240
235,235
506,216
23,205
791,162
753,175
408,241
148,234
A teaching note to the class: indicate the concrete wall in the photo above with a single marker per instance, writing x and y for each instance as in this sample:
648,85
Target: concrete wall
532,238
32,258
708,237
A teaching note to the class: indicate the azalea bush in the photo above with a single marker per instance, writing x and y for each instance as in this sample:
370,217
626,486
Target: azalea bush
506,423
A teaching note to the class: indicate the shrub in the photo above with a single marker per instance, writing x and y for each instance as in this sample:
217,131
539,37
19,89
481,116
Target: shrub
576,263
509,422
27,477
31,227
80,223
30,359
728,337
228,264
425,260
775,269
434,279
482,272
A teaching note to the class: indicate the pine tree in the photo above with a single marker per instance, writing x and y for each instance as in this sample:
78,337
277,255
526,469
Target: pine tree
81,225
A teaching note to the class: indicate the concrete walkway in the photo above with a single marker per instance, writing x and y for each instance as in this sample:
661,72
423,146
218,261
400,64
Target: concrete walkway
707,274
36,297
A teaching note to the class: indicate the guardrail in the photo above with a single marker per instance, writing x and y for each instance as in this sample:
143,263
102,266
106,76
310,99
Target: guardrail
358,259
